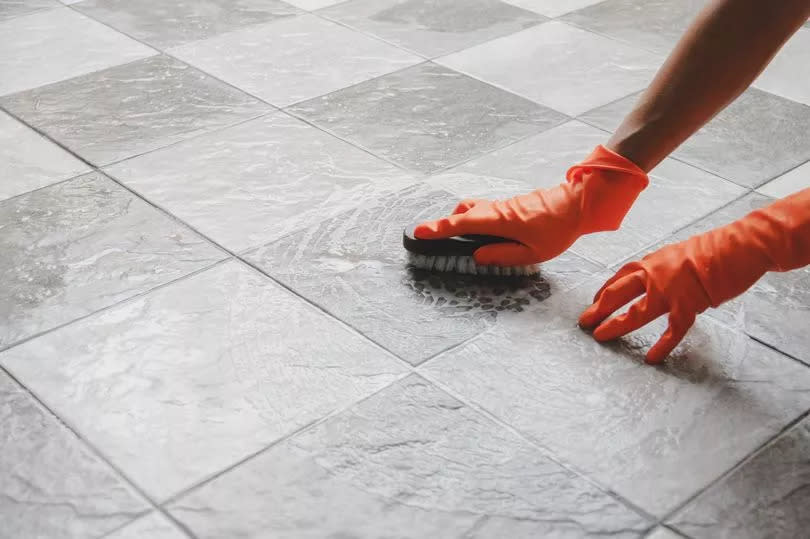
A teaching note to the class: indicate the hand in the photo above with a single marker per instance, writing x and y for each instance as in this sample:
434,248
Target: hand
685,279
598,194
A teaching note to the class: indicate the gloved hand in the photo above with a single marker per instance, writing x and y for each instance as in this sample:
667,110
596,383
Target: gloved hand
544,223
685,279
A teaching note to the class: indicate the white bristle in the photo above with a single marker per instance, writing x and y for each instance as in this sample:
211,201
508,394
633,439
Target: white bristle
466,265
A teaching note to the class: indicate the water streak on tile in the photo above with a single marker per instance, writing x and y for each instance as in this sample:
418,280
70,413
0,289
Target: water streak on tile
82,245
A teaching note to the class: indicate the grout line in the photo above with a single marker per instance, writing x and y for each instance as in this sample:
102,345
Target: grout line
292,434
93,450
733,469
775,349
546,452
126,300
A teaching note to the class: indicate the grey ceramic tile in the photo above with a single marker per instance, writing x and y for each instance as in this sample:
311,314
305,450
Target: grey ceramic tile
766,497
136,108
51,484
14,8
167,24
433,27
427,117
776,308
758,137
678,194
355,267
295,59
312,5
260,180
560,66
29,161
655,25
409,462
152,526
189,379
663,533
654,435
78,246
552,8
788,183
788,74
57,44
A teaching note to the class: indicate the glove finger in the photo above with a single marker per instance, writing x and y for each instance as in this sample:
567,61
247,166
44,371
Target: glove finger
639,314
466,205
627,269
446,227
679,325
505,254
618,294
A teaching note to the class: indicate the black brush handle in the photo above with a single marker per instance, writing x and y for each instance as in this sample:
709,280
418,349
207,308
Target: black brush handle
455,246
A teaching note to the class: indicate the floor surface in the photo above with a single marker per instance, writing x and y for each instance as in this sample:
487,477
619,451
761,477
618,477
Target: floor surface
208,330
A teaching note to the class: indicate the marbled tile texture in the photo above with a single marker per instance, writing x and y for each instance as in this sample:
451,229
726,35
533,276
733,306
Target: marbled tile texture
209,327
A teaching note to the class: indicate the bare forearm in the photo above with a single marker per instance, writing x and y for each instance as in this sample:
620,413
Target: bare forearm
718,57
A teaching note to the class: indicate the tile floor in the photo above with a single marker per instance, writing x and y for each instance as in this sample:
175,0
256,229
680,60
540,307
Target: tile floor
207,329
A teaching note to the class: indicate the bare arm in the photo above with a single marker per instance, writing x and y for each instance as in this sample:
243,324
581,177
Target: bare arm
719,56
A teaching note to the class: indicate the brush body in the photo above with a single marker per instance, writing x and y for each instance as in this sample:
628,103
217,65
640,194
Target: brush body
456,254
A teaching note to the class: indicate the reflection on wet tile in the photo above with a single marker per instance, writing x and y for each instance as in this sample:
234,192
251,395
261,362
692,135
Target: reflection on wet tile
433,27
766,497
551,62
655,25
427,117
758,137
57,44
82,245
655,435
188,379
15,8
135,108
788,183
152,526
355,267
260,180
788,74
167,24
51,484
678,194
410,459
552,8
295,59
29,161
776,309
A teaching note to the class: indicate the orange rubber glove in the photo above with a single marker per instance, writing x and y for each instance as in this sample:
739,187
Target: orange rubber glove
544,223
685,279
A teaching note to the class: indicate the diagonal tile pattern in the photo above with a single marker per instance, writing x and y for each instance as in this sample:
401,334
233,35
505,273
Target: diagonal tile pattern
259,181
82,245
137,107
756,138
348,478
51,483
295,59
57,44
303,381
186,381
559,66
654,435
354,267
29,161
433,27
168,24
427,117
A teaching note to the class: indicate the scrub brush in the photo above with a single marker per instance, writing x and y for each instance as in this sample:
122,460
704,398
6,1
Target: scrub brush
456,254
